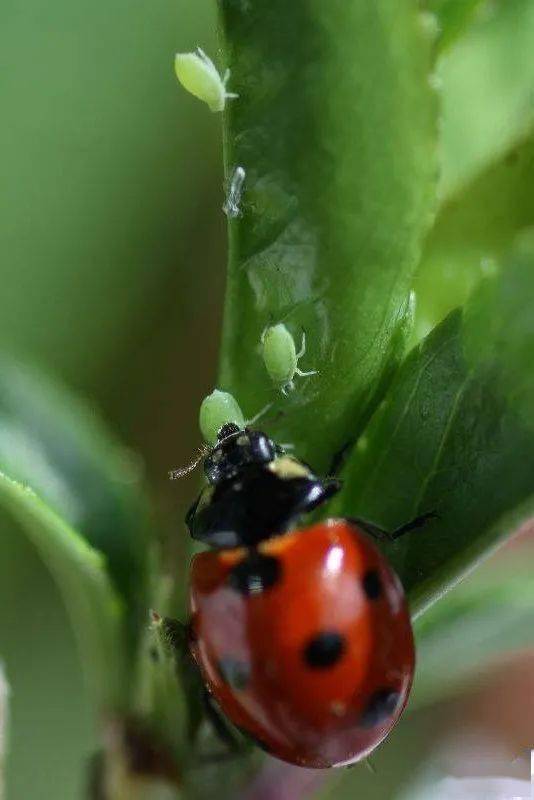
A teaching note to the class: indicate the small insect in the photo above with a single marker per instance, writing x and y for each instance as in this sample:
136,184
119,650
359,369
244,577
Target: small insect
221,408
232,203
281,358
302,636
198,74
218,409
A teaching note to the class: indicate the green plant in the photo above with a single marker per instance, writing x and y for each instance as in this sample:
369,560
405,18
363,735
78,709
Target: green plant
425,407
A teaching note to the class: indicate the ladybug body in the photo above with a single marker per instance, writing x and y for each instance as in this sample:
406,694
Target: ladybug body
302,636
305,642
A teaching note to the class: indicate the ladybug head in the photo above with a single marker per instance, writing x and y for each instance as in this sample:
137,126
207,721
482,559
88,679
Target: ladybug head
236,449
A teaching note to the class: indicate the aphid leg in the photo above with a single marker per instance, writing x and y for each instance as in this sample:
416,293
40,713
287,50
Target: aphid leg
299,356
225,79
259,415
381,534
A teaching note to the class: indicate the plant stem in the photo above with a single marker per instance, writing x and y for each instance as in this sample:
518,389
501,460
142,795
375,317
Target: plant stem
4,700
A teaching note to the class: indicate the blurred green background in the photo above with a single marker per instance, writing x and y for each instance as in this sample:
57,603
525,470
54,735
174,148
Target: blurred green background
113,245
113,256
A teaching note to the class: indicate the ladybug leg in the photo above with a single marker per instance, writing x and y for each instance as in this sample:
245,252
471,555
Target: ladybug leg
417,522
381,534
223,729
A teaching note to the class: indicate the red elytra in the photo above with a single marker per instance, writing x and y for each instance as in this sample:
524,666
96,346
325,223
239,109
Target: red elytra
306,643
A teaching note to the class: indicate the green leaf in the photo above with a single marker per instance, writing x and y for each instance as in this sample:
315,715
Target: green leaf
455,436
335,129
168,693
484,617
80,573
57,444
452,18
487,88
471,232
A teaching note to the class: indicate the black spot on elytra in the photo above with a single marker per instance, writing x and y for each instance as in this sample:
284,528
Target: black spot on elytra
324,650
234,673
372,585
381,705
255,573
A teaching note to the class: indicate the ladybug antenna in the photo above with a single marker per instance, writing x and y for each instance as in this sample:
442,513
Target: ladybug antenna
181,472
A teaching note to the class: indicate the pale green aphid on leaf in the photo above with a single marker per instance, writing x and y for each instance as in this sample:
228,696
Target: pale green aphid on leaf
216,410
281,358
198,74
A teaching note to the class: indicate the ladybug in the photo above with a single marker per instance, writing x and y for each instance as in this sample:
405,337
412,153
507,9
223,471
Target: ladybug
302,635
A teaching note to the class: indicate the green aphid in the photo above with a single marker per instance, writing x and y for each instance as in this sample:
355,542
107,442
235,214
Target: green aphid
281,358
198,74
218,409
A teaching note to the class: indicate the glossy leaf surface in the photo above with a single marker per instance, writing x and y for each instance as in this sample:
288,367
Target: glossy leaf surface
335,131
455,436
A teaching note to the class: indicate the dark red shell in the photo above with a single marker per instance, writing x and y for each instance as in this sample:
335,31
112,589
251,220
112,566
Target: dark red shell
306,645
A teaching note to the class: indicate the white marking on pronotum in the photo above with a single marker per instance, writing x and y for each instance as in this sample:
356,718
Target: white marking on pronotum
198,74
231,206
